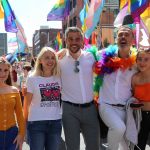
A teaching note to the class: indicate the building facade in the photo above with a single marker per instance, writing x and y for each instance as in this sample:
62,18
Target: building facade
3,44
43,37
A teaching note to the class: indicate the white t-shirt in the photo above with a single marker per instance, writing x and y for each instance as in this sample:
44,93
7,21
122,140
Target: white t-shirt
45,104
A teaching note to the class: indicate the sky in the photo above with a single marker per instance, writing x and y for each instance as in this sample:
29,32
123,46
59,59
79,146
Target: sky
32,14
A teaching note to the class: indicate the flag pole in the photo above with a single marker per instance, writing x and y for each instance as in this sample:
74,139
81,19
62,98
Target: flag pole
19,56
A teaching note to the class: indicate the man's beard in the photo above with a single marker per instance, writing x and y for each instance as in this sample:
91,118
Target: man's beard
74,50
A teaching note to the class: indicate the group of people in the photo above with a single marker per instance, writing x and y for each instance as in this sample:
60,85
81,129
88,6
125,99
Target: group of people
60,93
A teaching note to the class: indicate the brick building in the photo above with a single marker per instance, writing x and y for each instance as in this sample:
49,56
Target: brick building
43,37
105,27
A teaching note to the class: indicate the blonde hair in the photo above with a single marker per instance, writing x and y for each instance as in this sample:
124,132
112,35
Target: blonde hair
38,71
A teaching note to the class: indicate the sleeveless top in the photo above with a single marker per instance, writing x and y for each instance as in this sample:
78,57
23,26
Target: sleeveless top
142,92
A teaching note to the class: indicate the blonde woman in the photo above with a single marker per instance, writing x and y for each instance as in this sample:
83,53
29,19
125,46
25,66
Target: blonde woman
12,127
42,102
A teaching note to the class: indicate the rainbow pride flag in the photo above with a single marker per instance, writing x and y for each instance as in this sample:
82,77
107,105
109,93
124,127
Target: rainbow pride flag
9,17
60,11
59,40
137,7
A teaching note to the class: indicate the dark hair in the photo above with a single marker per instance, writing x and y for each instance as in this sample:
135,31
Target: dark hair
126,27
28,68
128,20
73,29
4,61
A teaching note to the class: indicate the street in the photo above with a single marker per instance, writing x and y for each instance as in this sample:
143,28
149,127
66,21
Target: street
62,147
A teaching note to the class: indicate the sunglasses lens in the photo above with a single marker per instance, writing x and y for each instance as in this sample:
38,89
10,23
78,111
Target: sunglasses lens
76,70
76,63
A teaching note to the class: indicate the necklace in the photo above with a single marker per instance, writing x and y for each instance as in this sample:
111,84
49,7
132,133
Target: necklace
109,62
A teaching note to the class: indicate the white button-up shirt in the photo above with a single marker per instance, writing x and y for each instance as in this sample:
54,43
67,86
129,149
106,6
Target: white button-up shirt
116,88
77,87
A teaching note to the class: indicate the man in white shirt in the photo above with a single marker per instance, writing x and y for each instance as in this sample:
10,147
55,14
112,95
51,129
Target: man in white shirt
79,111
115,91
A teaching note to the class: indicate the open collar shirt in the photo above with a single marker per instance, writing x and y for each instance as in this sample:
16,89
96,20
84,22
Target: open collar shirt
77,87
116,88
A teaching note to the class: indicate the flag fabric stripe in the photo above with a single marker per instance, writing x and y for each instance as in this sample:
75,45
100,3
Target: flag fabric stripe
146,18
122,3
145,42
83,15
138,7
119,19
1,12
9,17
96,17
21,33
90,14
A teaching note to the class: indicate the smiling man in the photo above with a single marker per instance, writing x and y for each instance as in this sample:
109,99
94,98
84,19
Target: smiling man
79,111
116,87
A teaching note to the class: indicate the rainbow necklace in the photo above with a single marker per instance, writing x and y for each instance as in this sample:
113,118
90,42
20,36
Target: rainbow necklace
109,62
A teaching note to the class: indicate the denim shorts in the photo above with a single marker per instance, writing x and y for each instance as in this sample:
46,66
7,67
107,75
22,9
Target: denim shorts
44,134
7,138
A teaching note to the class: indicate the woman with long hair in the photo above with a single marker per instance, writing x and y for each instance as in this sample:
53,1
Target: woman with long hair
42,102
12,126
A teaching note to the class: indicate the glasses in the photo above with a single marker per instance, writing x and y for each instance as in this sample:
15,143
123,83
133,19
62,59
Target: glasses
76,69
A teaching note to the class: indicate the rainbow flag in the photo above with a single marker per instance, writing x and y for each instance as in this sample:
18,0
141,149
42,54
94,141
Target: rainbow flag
60,11
137,7
58,42
9,17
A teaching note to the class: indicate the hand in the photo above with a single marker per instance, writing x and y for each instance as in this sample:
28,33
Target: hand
24,90
61,53
19,141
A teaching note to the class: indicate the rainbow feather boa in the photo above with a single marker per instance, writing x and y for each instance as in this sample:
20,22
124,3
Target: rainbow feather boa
109,62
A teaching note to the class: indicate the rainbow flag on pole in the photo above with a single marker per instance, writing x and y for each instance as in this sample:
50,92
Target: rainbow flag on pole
60,11
59,41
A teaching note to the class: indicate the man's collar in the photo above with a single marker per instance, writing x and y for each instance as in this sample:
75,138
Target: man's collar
68,54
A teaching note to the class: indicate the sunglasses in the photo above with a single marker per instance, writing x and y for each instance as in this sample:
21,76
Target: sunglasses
76,69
